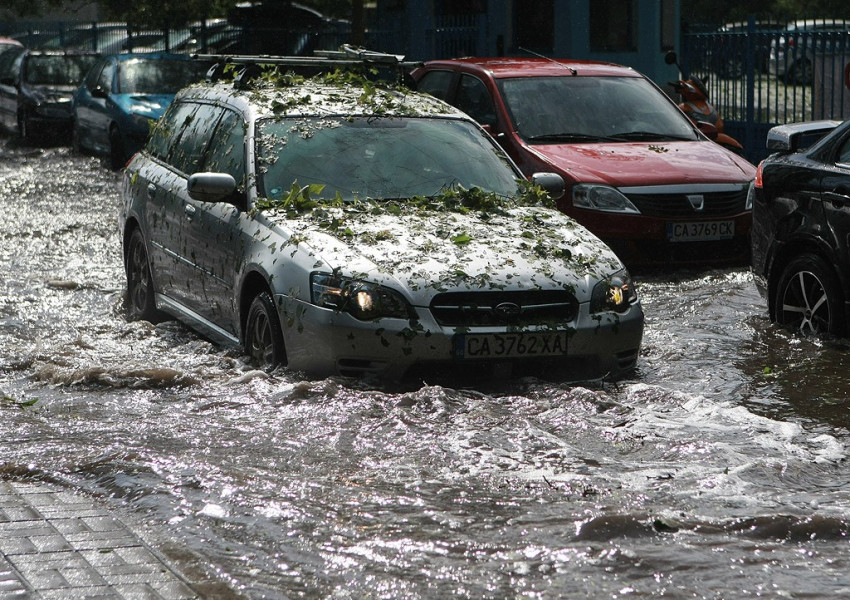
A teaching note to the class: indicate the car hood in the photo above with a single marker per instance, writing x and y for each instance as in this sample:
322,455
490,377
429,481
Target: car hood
148,105
638,164
425,252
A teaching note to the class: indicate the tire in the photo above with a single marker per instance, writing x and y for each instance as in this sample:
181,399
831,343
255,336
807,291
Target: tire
75,138
800,73
140,290
809,299
24,129
117,154
263,335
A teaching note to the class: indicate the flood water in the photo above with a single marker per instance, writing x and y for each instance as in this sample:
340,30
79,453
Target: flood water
717,471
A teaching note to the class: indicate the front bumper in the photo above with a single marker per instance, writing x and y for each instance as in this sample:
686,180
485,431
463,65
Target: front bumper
323,342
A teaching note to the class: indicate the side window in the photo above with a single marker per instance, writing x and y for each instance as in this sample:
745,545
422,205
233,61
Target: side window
227,149
188,150
104,79
436,83
94,74
844,155
473,99
169,128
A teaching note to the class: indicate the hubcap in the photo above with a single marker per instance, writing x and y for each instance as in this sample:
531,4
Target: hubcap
805,306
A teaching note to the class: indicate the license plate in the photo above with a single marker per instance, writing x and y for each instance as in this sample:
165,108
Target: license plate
510,345
701,231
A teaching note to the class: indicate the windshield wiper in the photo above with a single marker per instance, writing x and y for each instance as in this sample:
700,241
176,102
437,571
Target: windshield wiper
570,137
650,136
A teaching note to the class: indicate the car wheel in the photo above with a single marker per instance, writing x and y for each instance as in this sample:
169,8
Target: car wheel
800,73
808,297
263,336
75,138
117,159
24,130
140,292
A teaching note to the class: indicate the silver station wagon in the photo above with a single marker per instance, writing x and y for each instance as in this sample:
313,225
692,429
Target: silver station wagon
337,225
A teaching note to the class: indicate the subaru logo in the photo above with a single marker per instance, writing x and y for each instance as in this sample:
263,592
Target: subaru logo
506,311
697,201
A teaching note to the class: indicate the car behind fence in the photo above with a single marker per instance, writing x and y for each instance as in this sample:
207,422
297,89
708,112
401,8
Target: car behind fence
758,74
761,77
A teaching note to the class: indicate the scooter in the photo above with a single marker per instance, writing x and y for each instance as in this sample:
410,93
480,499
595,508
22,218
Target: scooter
695,104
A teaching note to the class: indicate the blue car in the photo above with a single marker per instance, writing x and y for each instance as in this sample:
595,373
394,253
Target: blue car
122,96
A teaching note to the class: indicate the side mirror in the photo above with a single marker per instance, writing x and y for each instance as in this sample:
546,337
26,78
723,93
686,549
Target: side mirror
709,130
551,182
211,187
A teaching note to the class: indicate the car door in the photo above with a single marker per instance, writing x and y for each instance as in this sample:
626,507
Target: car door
198,232
215,230
835,193
160,183
90,106
10,67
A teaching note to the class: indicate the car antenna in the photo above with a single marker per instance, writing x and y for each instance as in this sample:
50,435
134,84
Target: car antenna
533,53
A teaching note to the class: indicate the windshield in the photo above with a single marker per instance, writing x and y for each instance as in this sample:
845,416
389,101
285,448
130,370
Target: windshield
45,69
379,157
588,109
158,76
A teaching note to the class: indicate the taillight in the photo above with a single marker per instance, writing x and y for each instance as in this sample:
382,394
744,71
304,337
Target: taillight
758,183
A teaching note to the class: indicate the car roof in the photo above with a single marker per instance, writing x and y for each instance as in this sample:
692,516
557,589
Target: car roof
149,55
832,24
318,97
504,67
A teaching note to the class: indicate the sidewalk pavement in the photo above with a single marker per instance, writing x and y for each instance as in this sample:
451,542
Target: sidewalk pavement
56,544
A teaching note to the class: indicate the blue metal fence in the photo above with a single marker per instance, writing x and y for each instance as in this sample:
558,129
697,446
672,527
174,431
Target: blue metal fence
758,78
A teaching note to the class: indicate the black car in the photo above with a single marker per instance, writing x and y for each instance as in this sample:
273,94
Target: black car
801,227
36,89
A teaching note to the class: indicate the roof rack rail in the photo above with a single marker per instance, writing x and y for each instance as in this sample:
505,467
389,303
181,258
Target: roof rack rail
347,56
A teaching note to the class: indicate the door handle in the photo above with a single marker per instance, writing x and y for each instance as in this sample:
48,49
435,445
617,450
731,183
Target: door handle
151,191
190,211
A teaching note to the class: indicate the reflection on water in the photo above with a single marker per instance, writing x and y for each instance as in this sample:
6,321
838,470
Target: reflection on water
717,471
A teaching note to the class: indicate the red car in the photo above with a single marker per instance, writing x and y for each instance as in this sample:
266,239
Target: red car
639,174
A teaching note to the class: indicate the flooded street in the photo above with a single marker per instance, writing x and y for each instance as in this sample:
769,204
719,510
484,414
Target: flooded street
717,471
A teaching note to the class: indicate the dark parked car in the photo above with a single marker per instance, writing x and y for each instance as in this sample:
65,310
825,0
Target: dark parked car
123,95
340,226
801,227
36,89
639,173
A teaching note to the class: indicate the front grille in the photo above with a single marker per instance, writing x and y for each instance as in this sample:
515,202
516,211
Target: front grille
517,308
678,205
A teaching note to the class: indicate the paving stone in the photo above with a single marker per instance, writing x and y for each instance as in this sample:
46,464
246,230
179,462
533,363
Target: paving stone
58,545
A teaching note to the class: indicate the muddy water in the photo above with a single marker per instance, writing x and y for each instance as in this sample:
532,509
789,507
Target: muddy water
717,471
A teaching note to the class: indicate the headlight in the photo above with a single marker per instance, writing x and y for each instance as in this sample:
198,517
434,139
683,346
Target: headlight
361,299
601,197
751,194
616,293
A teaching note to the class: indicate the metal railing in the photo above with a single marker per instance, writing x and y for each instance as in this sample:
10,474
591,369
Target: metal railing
761,78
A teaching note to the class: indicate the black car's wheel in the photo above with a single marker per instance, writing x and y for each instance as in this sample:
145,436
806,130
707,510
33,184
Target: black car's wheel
808,297
800,73
263,336
140,292
75,138
24,129
117,154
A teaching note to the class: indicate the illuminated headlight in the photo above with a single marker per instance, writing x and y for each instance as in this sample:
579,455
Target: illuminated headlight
601,197
614,294
361,299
